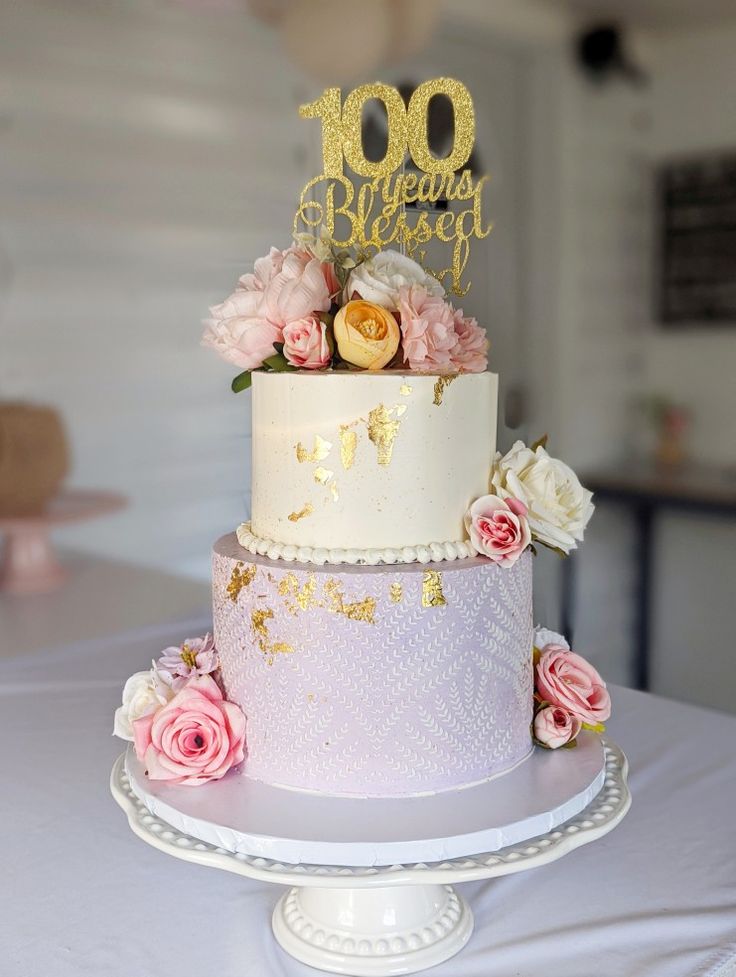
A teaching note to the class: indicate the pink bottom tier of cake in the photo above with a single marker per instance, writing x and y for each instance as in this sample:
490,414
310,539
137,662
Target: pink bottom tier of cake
376,681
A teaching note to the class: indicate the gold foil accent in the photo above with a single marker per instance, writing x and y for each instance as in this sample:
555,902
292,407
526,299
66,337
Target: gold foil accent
348,444
382,431
319,452
400,409
269,648
334,491
432,595
359,610
240,578
302,598
396,592
302,513
440,386
405,390
258,620
322,475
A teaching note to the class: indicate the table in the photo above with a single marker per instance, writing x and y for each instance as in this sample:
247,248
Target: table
29,564
646,490
656,898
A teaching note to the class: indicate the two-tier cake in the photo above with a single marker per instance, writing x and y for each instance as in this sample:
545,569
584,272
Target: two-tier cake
373,620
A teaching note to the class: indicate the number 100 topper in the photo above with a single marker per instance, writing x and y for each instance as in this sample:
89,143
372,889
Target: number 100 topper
376,213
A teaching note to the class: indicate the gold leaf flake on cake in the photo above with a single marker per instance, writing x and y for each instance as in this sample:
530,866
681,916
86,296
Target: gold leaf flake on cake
302,513
240,578
322,475
319,452
270,649
441,384
348,444
295,597
359,610
334,491
405,390
432,595
396,592
382,431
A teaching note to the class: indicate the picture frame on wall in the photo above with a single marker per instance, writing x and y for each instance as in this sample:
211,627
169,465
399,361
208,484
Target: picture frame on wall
696,214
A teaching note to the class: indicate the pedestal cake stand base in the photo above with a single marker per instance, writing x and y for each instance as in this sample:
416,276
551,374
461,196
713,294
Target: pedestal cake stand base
373,919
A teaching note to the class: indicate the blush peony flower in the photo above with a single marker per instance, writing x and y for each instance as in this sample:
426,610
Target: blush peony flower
559,507
141,695
498,528
299,289
367,335
427,330
469,354
305,343
240,332
554,727
196,737
565,679
380,278
264,270
196,656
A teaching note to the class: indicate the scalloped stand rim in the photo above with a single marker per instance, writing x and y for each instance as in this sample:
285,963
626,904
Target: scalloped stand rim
397,919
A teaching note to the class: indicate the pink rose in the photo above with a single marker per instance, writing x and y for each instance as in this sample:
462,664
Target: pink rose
305,343
498,528
568,680
554,726
240,332
427,329
468,355
297,290
194,738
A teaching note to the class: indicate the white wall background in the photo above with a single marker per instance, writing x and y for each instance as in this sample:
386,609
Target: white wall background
150,151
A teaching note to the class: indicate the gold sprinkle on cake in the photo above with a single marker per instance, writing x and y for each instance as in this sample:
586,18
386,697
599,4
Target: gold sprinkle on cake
440,386
319,452
432,595
302,513
382,431
348,444
240,578
322,475
396,592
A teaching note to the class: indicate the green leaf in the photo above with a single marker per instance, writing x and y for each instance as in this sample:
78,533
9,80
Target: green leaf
241,382
278,363
279,347
540,442
595,727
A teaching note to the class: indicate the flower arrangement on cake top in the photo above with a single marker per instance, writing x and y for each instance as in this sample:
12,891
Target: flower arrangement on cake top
178,719
311,307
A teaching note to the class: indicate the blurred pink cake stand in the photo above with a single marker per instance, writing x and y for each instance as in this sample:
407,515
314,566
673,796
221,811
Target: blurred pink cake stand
371,880
29,564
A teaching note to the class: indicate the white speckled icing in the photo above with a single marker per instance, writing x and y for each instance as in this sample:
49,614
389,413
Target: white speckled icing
431,553
400,483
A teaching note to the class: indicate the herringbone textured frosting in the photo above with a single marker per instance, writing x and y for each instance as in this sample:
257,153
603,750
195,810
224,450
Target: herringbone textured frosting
376,680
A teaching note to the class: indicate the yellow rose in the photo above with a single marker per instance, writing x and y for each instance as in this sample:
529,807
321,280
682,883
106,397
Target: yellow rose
366,334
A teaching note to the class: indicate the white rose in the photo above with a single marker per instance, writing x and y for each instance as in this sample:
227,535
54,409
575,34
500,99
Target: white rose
559,508
378,279
140,696
543,636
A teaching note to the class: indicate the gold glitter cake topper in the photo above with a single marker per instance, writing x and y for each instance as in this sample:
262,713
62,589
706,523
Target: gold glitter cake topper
374,212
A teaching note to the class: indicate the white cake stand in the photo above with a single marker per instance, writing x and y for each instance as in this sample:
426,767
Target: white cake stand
370,919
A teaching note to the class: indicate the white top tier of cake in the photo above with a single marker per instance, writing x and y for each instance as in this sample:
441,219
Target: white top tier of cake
369,460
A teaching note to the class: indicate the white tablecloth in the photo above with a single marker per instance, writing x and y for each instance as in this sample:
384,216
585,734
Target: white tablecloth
81,895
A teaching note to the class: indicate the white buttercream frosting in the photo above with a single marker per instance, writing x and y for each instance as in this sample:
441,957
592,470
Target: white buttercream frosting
432,553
